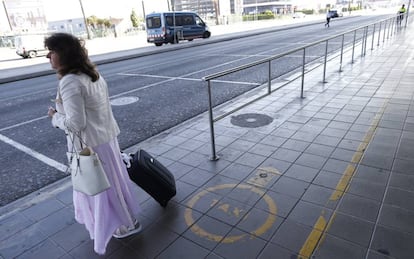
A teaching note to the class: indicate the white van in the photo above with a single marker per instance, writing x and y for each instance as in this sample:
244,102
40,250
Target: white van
30,45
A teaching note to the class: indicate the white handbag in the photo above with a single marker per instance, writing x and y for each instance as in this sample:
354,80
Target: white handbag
88,175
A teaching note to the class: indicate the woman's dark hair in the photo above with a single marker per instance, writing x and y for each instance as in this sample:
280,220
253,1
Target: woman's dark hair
73,56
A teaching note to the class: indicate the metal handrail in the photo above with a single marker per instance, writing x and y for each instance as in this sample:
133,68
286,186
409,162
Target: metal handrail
252,64
362,41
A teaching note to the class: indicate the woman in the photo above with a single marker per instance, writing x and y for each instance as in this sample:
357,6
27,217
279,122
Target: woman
83,109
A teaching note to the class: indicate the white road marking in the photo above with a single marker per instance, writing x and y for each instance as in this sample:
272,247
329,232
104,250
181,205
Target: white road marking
185,78
23,123
236,55
28,94
156,76
34,154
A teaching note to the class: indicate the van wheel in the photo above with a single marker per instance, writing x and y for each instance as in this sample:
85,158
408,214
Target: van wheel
158,44
32,54
206,35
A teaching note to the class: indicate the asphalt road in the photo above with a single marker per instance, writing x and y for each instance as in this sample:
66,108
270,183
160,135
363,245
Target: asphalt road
165,89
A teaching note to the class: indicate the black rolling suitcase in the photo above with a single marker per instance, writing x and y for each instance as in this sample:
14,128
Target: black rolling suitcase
152,177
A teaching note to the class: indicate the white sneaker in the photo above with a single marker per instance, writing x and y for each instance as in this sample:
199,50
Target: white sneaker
123,231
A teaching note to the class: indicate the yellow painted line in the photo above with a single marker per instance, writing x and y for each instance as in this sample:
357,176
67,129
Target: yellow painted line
331,220
317,235
343,183
313,238
349,172
362,146
356,158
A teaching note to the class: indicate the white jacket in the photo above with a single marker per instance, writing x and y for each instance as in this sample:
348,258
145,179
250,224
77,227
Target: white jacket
86,109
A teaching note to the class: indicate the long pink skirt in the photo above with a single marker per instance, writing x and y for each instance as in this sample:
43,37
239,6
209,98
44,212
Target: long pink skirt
103,213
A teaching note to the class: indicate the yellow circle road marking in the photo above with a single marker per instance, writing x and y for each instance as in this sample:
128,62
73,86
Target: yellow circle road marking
230,239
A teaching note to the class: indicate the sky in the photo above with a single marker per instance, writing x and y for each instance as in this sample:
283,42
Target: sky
68,9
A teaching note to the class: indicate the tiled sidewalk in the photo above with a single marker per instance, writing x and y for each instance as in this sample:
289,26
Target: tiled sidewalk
331,175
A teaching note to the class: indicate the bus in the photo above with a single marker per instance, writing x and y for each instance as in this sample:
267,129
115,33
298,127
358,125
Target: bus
172,27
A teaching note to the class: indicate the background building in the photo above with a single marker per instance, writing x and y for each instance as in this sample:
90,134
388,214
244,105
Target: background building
209,8
25,15
74,26
260,6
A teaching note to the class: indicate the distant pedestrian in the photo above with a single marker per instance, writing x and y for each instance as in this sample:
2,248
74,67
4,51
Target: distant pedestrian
83,111
401,13
328,17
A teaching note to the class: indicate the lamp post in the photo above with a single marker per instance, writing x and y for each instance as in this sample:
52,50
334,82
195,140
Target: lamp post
143,8
85,21
407,13
216,6
7,15
175,38
256,12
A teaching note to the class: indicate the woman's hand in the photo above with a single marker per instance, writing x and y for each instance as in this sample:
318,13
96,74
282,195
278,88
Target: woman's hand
51,112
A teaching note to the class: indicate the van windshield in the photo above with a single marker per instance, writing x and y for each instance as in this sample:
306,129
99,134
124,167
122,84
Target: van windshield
154,22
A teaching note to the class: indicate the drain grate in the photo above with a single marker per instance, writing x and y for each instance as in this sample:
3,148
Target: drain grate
251,120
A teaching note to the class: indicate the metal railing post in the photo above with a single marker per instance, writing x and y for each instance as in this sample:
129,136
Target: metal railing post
213,157
395,27
379,34
303,73
385,30
373,37
324,63
388,31
269,83
342,53
366,40
407,14
353,47
363,41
